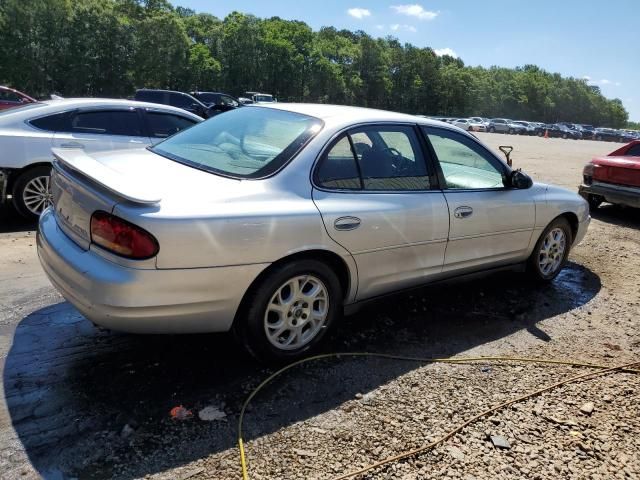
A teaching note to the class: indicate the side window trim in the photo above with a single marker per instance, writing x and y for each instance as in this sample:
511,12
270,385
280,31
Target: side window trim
493,160
355,159
434,174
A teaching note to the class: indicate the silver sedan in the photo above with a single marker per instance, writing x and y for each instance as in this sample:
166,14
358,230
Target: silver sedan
272,220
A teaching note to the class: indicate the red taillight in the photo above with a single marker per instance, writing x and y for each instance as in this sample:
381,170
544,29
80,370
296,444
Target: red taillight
121,237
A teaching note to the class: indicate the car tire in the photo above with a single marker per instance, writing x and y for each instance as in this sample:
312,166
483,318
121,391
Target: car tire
31,193
564,135
550,253
599,138
594,201
263,308
492,130
540,134
510,131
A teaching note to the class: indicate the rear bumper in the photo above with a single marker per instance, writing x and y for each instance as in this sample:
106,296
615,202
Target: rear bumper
618,194
141,300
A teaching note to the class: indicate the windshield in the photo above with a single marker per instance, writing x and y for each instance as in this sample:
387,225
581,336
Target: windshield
246,143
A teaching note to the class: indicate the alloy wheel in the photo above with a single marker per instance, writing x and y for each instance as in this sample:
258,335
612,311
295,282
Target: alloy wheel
297,312
552,251
36,194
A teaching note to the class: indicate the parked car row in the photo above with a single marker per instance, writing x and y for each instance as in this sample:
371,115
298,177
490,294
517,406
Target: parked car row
556,130
203,104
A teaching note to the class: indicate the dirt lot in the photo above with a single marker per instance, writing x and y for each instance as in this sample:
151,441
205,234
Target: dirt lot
79,402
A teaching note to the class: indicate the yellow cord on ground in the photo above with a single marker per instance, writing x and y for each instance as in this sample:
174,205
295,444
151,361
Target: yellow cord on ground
243,463
602,369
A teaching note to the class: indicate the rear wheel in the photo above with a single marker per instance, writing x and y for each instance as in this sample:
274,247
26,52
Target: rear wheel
492,130
288,313
511,131
551,251
32,192
564,135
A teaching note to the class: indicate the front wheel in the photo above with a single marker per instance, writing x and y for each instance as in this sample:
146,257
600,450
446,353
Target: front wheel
32,192
289,312
551,251
492,130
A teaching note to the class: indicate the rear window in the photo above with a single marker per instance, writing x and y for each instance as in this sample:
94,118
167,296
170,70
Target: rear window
244,143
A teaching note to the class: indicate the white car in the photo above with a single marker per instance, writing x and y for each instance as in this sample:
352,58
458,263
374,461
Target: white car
469,125
27,135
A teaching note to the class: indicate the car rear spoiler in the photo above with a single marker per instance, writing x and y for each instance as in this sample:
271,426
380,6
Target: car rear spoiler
128,188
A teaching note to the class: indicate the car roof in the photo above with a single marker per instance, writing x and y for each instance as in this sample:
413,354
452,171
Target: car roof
53,106
335,114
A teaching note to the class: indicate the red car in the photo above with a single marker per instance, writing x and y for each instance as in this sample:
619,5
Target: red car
614,178
10,98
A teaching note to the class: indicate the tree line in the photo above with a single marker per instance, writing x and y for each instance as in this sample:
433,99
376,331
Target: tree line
109,48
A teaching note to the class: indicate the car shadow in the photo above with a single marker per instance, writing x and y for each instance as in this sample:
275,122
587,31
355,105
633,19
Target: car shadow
85,401
11,221
618,215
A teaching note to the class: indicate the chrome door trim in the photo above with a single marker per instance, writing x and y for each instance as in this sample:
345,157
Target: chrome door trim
404,245
501,232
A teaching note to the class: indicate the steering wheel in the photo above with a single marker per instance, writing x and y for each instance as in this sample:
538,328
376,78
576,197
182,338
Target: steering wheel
399,163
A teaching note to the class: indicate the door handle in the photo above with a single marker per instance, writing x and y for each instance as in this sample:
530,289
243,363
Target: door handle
463,212
71,145
346,223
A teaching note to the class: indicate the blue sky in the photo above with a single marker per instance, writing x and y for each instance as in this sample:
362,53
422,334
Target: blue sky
581,38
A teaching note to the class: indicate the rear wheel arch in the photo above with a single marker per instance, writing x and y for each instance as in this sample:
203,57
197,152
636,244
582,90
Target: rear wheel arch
18,172
333,260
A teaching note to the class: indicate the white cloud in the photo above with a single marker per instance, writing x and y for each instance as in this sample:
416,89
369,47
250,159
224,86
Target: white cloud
380,27
359,13
604,81
445,51
407,28
416,11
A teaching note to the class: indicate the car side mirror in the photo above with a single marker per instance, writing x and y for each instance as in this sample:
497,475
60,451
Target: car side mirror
507,149
520,180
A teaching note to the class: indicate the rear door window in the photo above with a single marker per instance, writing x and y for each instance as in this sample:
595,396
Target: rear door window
377,158
108,122
338,168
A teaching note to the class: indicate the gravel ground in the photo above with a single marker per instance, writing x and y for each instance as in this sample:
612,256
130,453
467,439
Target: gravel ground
333,416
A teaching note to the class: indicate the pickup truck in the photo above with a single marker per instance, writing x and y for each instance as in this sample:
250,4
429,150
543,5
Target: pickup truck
613,178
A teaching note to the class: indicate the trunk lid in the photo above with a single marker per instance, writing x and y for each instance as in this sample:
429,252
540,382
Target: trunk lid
137,185
618,170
